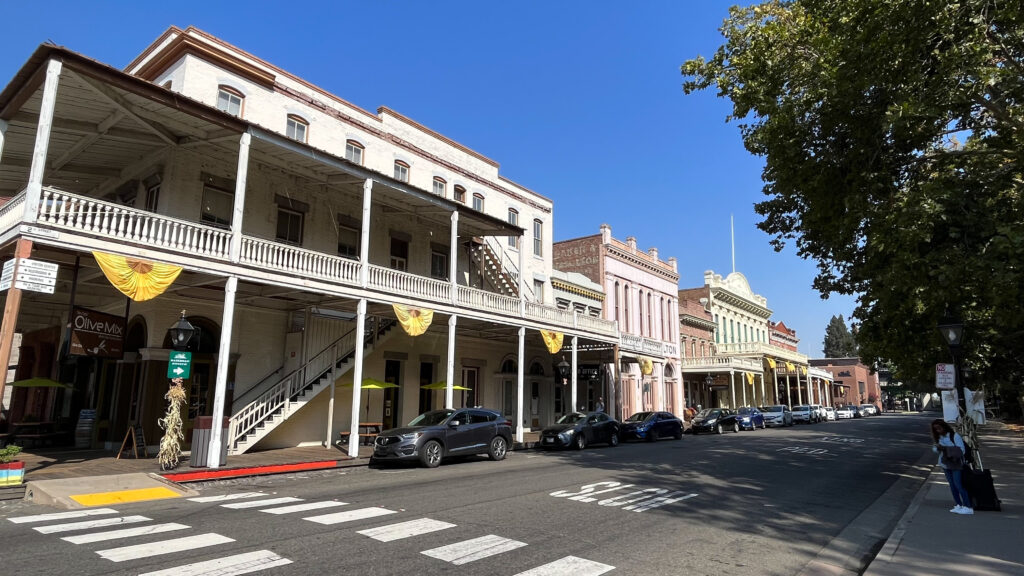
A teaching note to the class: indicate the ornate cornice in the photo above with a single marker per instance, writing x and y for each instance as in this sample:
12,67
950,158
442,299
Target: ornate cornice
633,259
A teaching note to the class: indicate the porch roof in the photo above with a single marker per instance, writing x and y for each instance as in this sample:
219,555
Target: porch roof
109,127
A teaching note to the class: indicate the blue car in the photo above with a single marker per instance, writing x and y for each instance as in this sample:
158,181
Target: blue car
749,418
651,426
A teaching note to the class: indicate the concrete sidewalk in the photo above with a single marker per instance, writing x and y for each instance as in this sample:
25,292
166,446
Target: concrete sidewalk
930,540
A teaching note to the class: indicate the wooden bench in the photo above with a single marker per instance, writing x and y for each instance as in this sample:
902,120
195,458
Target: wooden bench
368,432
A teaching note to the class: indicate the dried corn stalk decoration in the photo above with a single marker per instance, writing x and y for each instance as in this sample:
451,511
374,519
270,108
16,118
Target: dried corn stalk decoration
170,444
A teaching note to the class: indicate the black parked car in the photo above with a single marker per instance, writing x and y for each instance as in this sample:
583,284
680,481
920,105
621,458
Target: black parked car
715,420
438,434
651,426
578,430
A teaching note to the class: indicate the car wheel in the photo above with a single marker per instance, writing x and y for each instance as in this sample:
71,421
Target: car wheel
498,448
430,456
763,425
652,436
613,440
679,434
581,441
736,427
718,429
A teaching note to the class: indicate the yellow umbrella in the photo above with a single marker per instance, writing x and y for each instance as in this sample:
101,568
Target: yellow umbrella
442,386
371,384
40,383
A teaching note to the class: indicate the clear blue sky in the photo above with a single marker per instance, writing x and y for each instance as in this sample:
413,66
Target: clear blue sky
578,100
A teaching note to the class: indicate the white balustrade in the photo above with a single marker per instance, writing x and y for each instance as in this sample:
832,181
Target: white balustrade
593,324
488,301
398,282
544,313
11,212
70,211
299,261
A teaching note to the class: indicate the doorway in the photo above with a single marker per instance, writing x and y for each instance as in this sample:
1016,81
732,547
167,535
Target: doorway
392,396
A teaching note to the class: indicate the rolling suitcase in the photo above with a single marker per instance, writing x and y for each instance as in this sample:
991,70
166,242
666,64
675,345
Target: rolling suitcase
981,489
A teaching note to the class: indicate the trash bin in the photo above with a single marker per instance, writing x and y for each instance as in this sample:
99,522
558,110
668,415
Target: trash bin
202,430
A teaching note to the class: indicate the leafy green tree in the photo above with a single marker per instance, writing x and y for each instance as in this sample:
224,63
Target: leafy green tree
892,133
839,341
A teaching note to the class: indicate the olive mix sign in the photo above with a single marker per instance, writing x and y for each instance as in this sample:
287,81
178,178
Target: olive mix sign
96,334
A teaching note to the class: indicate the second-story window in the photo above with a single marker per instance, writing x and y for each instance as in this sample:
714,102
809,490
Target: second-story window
229,100
217,206
439,186
478,202
717,331
289,226
438,264
399,254
354,152
650,325
348,237
538,291
625,307
538,238
401,171
513,219
296,128
640,310
617,317
460,194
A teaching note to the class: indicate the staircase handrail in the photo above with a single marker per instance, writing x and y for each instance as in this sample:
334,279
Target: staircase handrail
291,385
257,386
508,265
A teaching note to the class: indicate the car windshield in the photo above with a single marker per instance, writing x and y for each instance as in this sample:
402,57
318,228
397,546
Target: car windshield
708,413
639,417
571,418
432,418
801,408
745,410
771,408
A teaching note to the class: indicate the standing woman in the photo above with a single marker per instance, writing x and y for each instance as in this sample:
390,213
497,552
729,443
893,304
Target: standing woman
946,443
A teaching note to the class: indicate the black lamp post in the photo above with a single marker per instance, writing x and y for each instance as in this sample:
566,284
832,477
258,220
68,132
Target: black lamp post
181,333
564,370
952,330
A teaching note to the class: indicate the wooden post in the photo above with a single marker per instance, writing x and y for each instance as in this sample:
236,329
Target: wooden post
23,249
238,209
364,248
34,188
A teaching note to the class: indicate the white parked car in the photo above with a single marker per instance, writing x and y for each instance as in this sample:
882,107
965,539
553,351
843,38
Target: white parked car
802,414
817,413
869,409
830,413
844,413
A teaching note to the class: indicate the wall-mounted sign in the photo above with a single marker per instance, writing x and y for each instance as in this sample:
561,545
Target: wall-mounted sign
945,376
33,275
96,334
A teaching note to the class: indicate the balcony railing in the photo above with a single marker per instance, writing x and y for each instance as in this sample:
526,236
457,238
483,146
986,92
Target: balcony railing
645,345
131,226
762,349
713,363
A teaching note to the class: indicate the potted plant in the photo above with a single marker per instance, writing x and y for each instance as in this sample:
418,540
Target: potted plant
12,472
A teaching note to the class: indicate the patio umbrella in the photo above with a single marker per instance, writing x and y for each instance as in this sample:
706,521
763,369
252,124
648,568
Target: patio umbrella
40,383
442,386
371,384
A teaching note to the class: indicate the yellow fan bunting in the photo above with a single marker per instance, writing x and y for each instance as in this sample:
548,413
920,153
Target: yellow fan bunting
771,363
803,370
750,378
646,366
414,321
553,340
790,367
139,280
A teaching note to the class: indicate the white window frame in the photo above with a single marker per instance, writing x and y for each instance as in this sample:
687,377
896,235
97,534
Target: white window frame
354,152
513,219
401,171
214,219
440,186
292,126
229,94
290,213
538,238
481,199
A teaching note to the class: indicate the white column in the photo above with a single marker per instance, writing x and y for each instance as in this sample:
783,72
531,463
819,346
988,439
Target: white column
519,379
799,391
744,383
223,363
330,402
764,394
732,389
574,405
34,189
364,240
239,203
357,378
789,399
660,398
449,391
453,258
3,135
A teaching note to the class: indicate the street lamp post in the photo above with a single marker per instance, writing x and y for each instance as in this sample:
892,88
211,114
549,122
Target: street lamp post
952,330
181,333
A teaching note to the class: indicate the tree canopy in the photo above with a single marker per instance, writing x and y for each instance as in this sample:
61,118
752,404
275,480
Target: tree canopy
839,341
892,133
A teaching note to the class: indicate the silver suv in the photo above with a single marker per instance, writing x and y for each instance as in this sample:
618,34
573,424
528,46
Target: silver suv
802,414
438,434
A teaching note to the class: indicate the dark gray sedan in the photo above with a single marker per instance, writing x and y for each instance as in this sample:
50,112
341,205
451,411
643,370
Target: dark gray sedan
438,434
578,430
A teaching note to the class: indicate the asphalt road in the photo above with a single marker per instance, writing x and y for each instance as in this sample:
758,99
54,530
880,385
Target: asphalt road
762,502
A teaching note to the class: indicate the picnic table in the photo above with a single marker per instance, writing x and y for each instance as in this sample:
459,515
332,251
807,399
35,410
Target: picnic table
368,432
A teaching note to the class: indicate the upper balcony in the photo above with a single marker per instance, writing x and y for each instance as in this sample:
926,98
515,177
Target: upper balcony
761,349
110,131
644,345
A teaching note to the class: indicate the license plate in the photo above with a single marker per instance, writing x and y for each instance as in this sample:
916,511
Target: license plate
549,440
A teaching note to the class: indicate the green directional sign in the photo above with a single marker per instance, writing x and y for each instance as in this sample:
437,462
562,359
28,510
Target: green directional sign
179,365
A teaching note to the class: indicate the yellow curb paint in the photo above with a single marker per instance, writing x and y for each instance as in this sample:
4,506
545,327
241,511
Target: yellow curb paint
107,498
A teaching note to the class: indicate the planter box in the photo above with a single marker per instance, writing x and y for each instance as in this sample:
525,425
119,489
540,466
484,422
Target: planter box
12,473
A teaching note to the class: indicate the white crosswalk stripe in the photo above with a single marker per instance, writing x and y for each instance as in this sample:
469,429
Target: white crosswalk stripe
261,503
125,533
226,497
350,516
163,547
569,566
88,524
62,515
229,566
475,549
405,529
304,507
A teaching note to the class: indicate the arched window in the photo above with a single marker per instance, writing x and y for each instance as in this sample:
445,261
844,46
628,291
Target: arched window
618,318
513,219
296,128
650,324
717,331
439,186
354,152
230,100
460,194
625,307
478,202
401,171
640,311
509,367
538,238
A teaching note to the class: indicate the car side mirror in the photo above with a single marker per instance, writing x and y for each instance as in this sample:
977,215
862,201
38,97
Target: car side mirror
454,424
